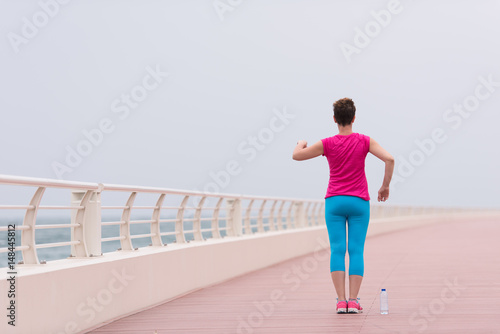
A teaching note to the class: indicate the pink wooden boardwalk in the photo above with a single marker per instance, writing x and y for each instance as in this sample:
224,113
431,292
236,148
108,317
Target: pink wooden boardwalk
443,278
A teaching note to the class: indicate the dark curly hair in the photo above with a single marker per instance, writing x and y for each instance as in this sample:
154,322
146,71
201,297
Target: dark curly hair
344,111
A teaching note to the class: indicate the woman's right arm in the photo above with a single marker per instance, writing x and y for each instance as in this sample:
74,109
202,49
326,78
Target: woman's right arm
382,154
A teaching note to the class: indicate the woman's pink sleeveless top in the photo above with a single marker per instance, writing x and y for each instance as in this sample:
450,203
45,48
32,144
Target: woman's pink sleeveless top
346,158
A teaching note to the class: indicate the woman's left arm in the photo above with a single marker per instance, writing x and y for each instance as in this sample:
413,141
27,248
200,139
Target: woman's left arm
302,152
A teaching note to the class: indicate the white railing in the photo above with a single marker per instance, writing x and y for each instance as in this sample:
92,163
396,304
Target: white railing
28,245
228,215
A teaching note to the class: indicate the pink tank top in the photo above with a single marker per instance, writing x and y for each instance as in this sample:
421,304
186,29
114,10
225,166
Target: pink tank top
346,158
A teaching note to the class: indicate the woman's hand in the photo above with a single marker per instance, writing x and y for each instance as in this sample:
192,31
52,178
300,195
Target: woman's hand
302,143
383,194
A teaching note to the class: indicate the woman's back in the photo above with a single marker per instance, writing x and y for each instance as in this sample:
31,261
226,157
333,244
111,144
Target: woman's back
346,158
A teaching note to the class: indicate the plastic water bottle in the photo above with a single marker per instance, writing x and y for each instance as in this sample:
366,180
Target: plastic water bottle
384,303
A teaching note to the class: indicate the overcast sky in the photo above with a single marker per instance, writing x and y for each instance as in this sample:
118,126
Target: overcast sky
177,93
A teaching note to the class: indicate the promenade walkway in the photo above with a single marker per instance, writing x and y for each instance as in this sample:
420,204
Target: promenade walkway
442,278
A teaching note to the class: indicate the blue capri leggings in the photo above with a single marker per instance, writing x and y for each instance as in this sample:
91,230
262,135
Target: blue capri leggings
355,213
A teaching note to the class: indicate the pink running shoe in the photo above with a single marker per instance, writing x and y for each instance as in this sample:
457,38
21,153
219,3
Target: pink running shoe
353,306
341,306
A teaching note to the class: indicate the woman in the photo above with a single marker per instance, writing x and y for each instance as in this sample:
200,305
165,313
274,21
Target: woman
347,198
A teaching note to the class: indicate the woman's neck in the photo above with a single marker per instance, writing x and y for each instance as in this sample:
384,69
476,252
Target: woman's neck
345,130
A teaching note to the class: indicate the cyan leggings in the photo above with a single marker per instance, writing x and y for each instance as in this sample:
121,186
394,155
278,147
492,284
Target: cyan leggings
355,213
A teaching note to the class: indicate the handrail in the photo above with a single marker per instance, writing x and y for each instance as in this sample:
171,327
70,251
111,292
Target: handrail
155,190
39,182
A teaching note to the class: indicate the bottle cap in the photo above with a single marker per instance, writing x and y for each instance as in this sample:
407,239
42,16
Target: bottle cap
383,289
